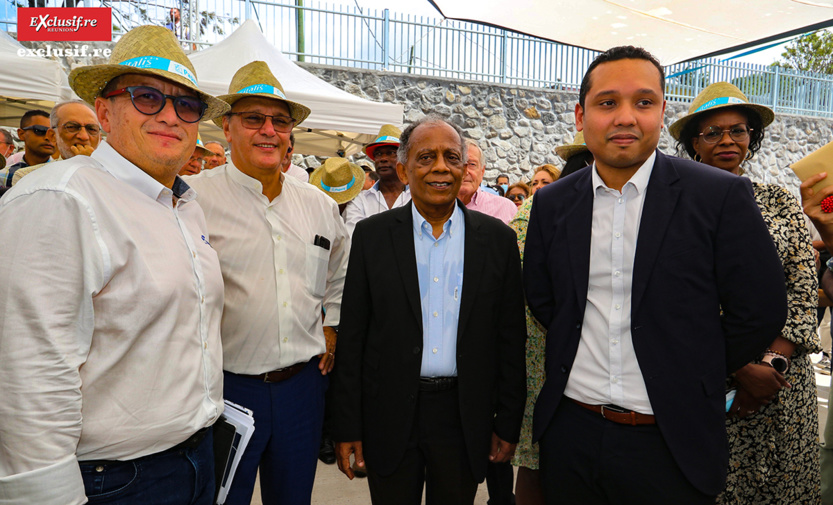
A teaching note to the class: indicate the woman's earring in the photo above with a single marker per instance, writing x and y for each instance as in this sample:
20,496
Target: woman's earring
697,157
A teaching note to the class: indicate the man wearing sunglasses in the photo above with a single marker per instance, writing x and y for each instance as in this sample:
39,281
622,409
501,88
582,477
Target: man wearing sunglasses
112,299
76,132
38,139
283,251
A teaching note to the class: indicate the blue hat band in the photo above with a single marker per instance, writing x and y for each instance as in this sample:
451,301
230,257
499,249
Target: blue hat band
158,63
723,100
263,88
339,189
386,138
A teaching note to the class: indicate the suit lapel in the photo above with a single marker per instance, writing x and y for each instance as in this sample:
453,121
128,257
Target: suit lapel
403,245
579,221
660,200
473,264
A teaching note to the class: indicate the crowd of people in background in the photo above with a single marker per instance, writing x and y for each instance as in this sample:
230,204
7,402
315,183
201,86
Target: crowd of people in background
632,327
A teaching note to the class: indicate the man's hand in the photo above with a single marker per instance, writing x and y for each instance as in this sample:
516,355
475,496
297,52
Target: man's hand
501,451
343,452
80,149
329,357
757,386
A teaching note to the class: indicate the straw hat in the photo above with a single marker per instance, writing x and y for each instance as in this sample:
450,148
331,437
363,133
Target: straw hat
717,96
388,136
338,178
200,145
567,151
147,50
255,79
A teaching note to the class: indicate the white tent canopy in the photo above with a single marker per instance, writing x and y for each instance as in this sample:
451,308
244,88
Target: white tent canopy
27,82
673,30
339,122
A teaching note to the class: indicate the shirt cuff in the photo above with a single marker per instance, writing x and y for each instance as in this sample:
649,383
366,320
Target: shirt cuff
56,484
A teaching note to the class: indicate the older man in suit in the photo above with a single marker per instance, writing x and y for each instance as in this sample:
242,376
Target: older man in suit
430,381
655,277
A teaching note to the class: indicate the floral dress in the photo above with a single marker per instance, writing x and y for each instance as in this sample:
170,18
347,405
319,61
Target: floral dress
774,455
526,453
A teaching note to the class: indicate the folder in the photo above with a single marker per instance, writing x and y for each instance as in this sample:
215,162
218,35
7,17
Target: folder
232,433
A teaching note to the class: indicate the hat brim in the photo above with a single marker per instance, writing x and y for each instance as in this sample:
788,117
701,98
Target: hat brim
568,151
765,113
344,196
370,149
88,83
298,112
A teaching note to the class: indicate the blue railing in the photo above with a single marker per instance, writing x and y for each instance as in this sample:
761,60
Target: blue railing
381,40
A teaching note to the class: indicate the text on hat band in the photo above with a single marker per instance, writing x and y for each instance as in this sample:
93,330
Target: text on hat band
263,88
159,63
387,138
718,101
339,189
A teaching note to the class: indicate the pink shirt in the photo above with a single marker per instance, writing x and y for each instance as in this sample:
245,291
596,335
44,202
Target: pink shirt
493,205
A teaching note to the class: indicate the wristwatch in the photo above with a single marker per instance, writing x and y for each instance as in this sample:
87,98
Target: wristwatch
777,361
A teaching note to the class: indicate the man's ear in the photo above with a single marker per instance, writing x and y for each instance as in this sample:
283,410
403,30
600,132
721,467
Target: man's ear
102,113
580,117
402,172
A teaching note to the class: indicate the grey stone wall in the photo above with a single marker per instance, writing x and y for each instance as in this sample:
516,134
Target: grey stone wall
518,127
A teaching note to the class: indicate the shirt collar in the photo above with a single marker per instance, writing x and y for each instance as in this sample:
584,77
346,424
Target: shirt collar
122,169
248,181
639,180
453,223
475,195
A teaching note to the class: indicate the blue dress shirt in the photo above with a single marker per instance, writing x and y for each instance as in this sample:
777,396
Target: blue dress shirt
440,273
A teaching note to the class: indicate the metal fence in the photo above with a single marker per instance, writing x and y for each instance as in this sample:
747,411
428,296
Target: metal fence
381,40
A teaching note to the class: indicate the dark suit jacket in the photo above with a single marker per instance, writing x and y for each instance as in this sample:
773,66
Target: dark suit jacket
376,376
702,247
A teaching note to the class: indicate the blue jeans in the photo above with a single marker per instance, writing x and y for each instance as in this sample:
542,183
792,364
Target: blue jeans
288,417
172,477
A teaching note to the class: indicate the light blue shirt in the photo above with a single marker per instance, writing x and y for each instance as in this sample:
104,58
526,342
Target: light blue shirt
440,273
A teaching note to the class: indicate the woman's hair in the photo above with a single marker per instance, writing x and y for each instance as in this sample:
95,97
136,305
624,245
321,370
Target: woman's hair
521,185
577,162
550,169
692,129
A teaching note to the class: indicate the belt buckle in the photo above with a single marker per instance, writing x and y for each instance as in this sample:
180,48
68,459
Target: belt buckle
612,408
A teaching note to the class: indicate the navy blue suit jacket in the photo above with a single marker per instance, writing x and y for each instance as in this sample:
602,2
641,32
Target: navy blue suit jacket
702,247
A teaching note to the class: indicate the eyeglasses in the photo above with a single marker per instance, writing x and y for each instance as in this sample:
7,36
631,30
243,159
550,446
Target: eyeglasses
515,198
714,134
255,121
151,101
73,128
39,130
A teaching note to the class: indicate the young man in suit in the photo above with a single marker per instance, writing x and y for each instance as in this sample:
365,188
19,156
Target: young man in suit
655,277
430,384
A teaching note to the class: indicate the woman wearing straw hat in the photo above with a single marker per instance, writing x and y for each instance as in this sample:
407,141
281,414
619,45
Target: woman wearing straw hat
575,155
773,421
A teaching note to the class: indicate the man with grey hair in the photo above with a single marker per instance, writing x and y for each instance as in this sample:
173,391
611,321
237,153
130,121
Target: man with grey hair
218,156
76,132
434,345
7,145
473,196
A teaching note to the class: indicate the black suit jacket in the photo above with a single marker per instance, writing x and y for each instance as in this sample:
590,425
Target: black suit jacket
377,371
702,247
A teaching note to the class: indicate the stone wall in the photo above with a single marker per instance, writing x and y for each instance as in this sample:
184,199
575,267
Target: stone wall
519,127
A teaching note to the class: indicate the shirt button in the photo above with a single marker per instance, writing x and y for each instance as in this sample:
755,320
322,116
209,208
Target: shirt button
434,350
618,306
614,341
205,345
436,244
195,254
285,339
280,271
279,237
202,299
436,313
615,380
99,468
436,279
285,304
617,273
617,234
621,200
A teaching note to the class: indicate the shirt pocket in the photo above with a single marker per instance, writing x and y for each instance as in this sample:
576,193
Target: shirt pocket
318,259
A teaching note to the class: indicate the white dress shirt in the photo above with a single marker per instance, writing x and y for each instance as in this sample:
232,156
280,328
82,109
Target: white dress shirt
605,370
297,172
110,307
276,278
369,203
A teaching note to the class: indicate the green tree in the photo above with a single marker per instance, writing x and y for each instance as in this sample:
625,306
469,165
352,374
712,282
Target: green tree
810,53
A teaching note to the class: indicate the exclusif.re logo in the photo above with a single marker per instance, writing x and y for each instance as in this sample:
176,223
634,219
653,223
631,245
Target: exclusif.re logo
64,24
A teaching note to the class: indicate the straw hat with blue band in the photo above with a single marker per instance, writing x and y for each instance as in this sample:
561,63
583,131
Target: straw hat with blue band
388,136
255,79
147,50
567,151
715,97
200,145
338,178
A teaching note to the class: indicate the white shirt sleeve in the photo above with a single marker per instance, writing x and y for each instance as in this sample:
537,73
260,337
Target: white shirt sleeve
353,213
53,265
336,272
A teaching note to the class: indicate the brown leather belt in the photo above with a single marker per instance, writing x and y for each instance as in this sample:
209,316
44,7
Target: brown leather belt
618,414
278,375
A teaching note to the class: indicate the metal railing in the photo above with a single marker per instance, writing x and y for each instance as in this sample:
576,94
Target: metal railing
381,40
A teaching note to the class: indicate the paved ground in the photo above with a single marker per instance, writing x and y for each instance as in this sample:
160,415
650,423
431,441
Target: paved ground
333,488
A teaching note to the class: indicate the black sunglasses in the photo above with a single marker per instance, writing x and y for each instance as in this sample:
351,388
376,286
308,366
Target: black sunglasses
39,130
151,101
